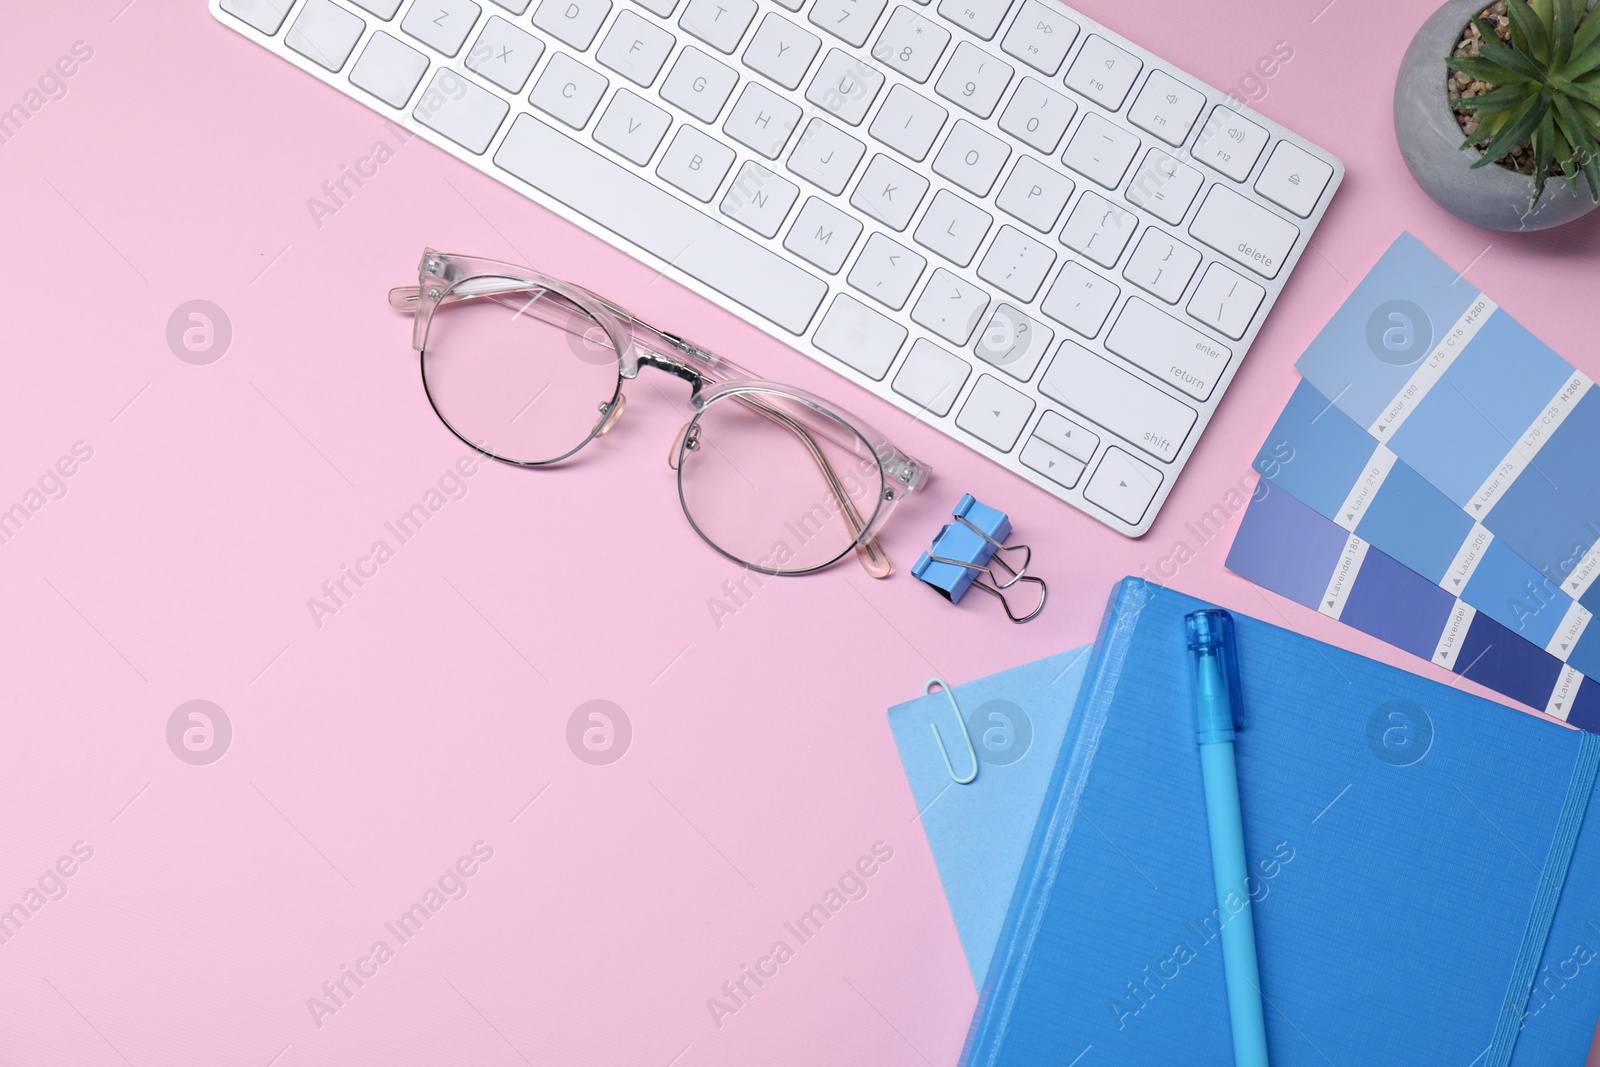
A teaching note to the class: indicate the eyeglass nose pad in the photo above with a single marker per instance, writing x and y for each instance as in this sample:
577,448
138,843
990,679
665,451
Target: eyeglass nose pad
678,444
613,415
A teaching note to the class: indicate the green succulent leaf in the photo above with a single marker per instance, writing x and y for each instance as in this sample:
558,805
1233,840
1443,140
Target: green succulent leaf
1583,62
1579,131
1544,153
1560,34
1588,32
1586,90
1518,128
1528,30
1484,70
1513,60
1542,8
1495,101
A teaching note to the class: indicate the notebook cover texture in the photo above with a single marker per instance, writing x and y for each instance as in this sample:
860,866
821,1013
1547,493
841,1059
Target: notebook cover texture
1398,833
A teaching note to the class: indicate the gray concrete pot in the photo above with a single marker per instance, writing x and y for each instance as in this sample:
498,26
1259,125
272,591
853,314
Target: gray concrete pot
1429,137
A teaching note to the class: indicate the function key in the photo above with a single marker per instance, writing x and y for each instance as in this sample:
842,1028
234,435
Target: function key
1166,107
1103,72
1293,179
1040,37
981,17
1229,143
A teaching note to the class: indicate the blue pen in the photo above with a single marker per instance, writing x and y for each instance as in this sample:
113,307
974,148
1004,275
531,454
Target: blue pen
1218,712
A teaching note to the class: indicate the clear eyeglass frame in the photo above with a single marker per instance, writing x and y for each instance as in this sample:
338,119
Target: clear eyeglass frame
444,279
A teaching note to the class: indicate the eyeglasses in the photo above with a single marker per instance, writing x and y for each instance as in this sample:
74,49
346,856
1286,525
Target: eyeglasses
529,369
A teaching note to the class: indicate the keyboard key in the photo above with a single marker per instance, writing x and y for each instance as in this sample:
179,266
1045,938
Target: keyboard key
695,163
971,158
1099,229
1244,231
385,9
1037,116
1016,263
1080,299
826,156
1123,403
1172,352
1067,436
886,271
973,78
1035,194
262,15
1040,37
568,90
931,378
761,120
759,199
388,69
460,110
822,235
911,44
574,22
781,50
954,229
950,307
1164,187
845,86
325,34
635,48
442,25
1103,72
1229,143
632,127
908,122
995,413
889,192
1101,151
1013,342
505,55
1294,179
859,337
1051,462
981,17
849,20
661,224
1123,485
1226,302
1166,107
719,23
664,8
1161,265
698,84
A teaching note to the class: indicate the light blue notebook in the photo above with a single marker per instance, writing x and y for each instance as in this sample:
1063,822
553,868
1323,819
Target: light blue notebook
1426,888
979,831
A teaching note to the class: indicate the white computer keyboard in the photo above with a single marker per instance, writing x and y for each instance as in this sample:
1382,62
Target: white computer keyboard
999,215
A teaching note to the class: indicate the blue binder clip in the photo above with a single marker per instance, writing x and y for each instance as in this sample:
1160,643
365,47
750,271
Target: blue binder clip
965,549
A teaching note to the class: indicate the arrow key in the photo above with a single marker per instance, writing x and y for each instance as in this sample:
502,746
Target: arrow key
1051,462
1122,485
995,413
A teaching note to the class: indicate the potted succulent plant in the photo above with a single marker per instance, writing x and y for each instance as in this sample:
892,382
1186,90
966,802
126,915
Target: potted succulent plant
1494,101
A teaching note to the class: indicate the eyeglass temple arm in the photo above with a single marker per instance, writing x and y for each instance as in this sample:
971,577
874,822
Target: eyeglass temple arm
870,553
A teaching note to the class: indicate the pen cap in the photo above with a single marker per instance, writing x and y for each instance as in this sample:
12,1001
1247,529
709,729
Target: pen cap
1214,675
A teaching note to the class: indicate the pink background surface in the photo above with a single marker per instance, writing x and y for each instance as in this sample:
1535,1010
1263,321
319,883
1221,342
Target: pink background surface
371,753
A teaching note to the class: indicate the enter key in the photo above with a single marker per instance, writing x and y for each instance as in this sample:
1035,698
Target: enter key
1177,354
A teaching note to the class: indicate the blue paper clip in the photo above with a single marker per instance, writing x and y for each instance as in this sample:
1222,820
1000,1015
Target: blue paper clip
965,549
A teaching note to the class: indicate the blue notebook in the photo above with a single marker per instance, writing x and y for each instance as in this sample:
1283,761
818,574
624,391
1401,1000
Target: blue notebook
1425,886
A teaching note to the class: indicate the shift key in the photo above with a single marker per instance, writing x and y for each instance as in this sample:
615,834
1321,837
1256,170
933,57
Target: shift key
1129,407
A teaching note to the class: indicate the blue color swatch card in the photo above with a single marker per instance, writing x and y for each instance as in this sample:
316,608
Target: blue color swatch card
979,832
1474,403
